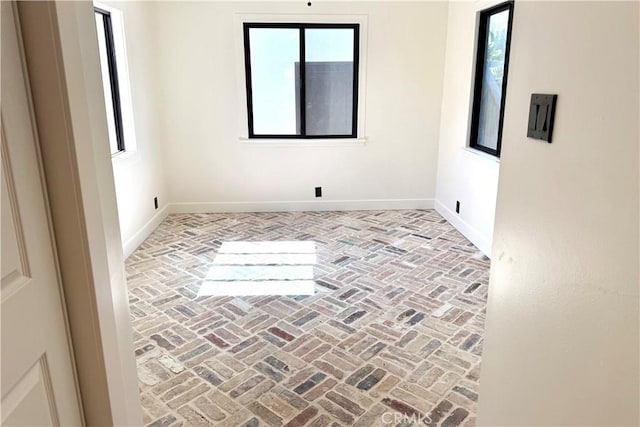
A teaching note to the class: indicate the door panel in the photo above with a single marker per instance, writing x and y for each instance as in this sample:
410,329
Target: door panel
30,402
15,267
37,377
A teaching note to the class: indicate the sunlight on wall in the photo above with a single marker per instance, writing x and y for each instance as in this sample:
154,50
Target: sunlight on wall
261,268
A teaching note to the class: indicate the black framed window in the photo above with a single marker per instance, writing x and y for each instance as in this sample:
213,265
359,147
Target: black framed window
302,80
107,52
490,83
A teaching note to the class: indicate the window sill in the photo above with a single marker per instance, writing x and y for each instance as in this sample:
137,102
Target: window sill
329,142
482,154
123,155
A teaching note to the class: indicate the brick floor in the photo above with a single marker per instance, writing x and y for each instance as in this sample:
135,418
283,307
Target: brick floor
392,337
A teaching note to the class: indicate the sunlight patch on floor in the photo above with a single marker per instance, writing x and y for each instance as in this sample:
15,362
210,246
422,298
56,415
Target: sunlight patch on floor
262,268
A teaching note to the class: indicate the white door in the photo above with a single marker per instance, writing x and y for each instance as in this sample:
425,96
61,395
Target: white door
37,377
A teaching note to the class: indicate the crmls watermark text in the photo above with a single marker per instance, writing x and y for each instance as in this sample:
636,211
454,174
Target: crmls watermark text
397,417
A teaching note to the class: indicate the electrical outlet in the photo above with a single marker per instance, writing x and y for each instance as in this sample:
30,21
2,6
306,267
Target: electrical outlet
457,206
318,191
155,202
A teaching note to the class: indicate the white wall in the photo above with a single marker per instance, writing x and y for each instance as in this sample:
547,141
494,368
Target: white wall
464,175
138,173
208,168
562,321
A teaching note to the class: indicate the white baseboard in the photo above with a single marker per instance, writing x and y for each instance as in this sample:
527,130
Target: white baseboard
302,205
479,240
136,240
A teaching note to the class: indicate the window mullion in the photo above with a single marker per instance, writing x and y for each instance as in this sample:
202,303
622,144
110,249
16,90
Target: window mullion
303,97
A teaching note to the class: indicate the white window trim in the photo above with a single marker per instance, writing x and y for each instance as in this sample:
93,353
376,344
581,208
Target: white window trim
122,63
243,131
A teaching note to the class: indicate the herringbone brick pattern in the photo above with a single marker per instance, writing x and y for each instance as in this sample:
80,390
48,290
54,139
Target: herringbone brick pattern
392,336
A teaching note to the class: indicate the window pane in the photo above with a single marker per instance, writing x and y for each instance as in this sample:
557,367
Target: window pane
329,81
106,84
275,56
491,95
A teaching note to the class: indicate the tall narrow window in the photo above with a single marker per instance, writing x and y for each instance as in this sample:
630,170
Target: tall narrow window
492,62
302,80
106,49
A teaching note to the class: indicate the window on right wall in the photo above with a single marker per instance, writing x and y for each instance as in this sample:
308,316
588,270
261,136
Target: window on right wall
490,83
